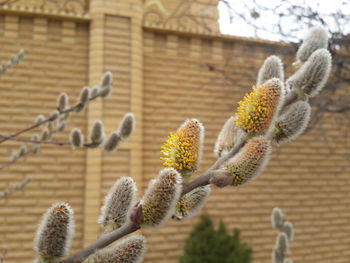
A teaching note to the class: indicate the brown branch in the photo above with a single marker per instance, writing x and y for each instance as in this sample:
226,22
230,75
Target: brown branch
102,242
34,141
88,145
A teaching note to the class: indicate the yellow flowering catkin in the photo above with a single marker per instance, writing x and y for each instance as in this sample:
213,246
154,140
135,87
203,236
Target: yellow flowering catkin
257,109
250,160
182,150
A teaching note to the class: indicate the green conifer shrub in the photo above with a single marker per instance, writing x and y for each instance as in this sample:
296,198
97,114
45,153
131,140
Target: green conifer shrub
206,244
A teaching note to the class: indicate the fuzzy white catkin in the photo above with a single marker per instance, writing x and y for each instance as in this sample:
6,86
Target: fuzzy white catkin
112,142
84,96
39,119
117,204
45,135
159,201
288,229
22,150
126,126
277,256
106,85
277,218
94,91
317,38
14,156
228,137
76,138
54,115
97,132
282,242
61,126
62,102
21,54
54,234
130,250
311,77
271,68
35,147
292,122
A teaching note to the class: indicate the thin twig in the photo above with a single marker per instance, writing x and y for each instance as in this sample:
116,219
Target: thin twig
17,187
35,141
45,121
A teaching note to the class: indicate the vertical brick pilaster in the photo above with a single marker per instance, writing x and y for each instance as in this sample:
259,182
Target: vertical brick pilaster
94,157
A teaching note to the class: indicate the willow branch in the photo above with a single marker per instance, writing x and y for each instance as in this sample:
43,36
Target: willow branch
202,180
17,187
102,242
88,145
45,121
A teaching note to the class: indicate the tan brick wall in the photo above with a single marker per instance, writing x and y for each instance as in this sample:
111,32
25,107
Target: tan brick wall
163,77
56,61
308,178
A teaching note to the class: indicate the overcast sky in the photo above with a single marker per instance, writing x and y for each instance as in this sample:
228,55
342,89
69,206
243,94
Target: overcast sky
240,28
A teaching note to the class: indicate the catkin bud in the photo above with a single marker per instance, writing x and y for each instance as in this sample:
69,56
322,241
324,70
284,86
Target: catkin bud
272,68
316,38
15,59
106,85
39,119
61,126
35,147
22,150
62,102
2,68
130,250
159,201
76,138
111,143
191,203
117,204
54,115
282,242
277,218
250,160
83,99
94,91
292,122
126,126
45,135
97,132
277,256
84,95
311,77
14,157
35,137
20,54
228,137
288,229
54,234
